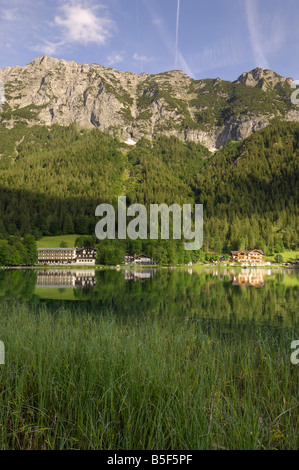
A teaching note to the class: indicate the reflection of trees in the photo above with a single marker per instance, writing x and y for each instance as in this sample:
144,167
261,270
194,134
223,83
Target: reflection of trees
17,284
178,293
205,295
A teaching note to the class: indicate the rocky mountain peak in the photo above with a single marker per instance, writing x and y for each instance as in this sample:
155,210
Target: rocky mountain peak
264,78
51,91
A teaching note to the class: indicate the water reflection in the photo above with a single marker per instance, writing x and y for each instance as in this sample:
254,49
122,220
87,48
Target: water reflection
232,272
208,292
55,278
140,275
251,278
61,278
245,277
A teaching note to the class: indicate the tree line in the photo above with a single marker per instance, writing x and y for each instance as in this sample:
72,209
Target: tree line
16,251
51,181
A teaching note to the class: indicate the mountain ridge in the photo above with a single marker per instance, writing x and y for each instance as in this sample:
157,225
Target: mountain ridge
131,107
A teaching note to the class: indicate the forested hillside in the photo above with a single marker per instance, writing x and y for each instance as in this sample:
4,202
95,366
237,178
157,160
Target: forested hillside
52,179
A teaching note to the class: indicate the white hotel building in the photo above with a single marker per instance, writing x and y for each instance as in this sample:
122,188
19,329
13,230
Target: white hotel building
68,256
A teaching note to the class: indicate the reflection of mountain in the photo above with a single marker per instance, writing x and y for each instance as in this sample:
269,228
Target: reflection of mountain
141,275
66,278
252,277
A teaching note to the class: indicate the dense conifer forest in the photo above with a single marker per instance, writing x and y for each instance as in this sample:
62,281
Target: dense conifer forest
52,179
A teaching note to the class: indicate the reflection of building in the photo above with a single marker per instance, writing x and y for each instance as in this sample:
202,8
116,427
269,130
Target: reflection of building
143,275
252,278
82,256
142,259
255,257
66,279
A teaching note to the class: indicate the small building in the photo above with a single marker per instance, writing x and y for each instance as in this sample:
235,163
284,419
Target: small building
252,257
86,256
129,259
142,259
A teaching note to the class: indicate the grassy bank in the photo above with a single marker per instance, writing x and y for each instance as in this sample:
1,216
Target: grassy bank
88,380
287,257
54,242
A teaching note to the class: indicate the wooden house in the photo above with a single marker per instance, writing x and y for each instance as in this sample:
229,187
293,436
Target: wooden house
252,257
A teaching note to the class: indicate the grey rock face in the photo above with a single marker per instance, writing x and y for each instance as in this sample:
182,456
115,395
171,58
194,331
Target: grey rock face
50,91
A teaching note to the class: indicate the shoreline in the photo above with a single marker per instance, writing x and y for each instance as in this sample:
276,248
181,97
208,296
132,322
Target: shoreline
121,267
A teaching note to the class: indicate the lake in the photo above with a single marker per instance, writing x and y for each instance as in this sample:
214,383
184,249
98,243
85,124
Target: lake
191,358
269,296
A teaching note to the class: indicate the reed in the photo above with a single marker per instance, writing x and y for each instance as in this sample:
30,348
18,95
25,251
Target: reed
78,379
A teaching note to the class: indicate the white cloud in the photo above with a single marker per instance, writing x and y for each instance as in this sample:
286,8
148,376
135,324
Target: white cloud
157,21
177,34
230,51
78,22
9,14
49,48
275,33
115,58
81,24
141,58
256,39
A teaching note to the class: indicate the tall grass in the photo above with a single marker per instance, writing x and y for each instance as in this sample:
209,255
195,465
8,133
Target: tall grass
79,380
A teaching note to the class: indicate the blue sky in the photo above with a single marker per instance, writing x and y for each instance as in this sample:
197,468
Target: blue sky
203,38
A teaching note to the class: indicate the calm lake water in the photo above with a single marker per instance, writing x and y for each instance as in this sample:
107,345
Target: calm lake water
243,296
